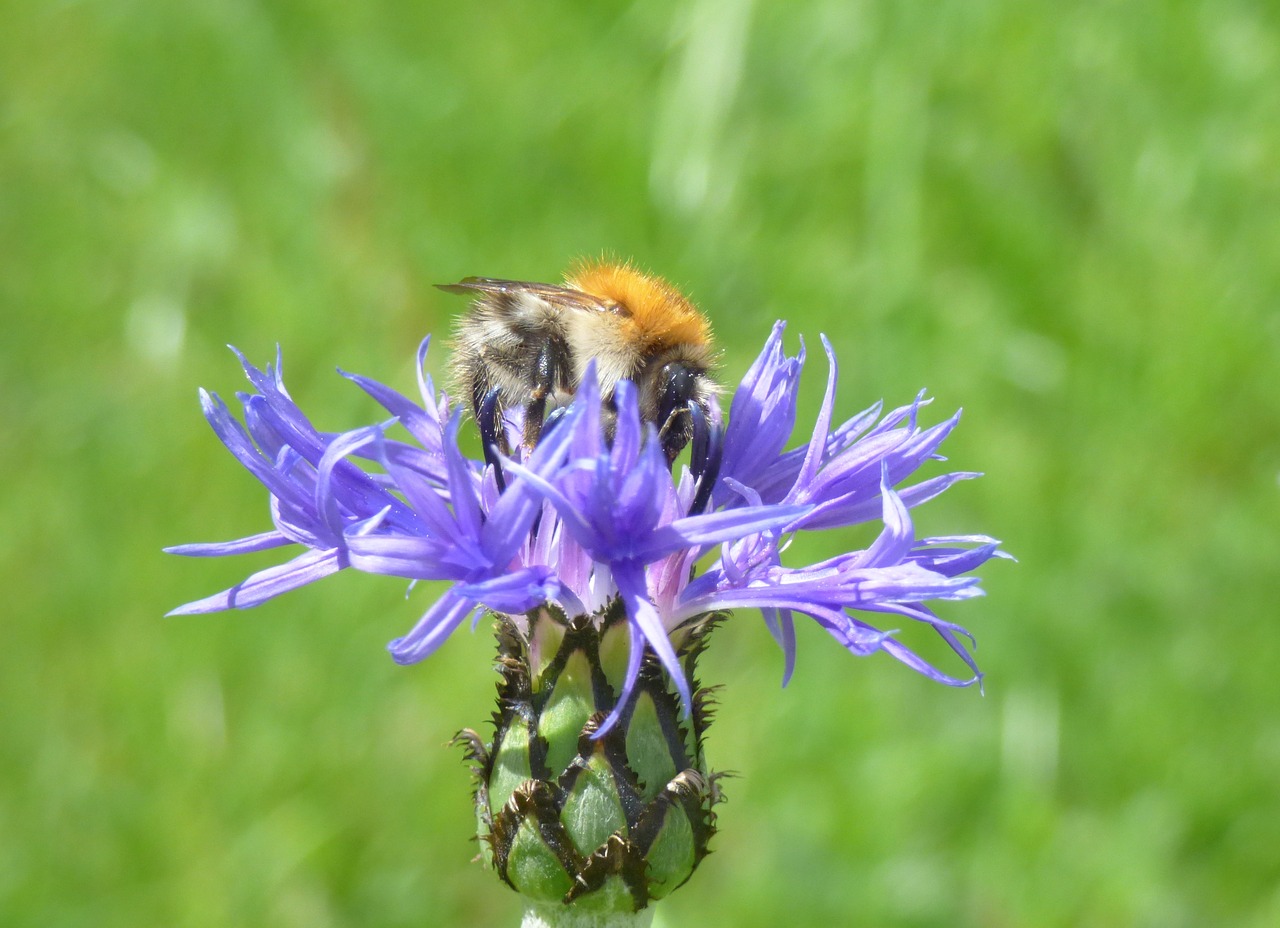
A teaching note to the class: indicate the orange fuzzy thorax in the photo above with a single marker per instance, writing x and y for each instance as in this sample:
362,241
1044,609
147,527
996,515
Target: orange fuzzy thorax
659,312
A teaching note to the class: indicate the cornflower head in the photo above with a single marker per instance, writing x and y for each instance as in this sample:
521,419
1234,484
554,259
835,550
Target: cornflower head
593,796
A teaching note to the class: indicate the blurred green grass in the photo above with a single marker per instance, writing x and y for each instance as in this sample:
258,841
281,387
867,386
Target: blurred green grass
1062,217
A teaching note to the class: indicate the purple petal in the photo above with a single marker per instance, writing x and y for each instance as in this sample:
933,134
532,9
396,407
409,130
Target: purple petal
512,517
417,421
894,543
589,437
245,545
426,389
428,502
952,562
635,655
413,557
233,435
628,434
904,654
462,488
437,624
763,412
326,503
818,444
265,584
640,609
855,507
570,516
783,628
715,528
515,592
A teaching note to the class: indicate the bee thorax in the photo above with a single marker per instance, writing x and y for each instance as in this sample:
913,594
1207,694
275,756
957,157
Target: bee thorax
528,345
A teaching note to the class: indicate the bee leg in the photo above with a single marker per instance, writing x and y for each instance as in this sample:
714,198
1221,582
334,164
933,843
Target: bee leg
479,389
545,373
492,438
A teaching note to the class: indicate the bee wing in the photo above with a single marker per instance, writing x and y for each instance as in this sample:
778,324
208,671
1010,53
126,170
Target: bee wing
558,296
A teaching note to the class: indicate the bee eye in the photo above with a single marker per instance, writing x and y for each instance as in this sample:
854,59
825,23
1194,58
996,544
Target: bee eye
677,382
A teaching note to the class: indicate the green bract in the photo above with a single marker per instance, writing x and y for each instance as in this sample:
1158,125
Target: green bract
603,824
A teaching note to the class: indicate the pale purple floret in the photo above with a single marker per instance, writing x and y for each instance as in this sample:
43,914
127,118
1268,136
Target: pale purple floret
617,502
589,518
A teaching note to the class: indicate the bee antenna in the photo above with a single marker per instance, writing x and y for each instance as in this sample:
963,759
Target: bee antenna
705,456
487,418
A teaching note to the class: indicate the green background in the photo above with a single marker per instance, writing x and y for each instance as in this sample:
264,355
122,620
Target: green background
1062,217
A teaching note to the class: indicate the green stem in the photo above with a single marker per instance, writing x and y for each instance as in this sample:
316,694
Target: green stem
558,915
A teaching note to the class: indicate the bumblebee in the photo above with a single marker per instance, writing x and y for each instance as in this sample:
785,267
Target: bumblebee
524,344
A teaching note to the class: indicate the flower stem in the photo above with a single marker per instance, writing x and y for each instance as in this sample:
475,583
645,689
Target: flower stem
558,915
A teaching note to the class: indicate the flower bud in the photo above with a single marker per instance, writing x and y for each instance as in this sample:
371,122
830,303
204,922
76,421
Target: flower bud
603,823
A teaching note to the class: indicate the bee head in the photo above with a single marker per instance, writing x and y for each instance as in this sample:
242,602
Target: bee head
674,387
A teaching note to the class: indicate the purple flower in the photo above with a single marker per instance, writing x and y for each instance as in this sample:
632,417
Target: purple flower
587,519
618,506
